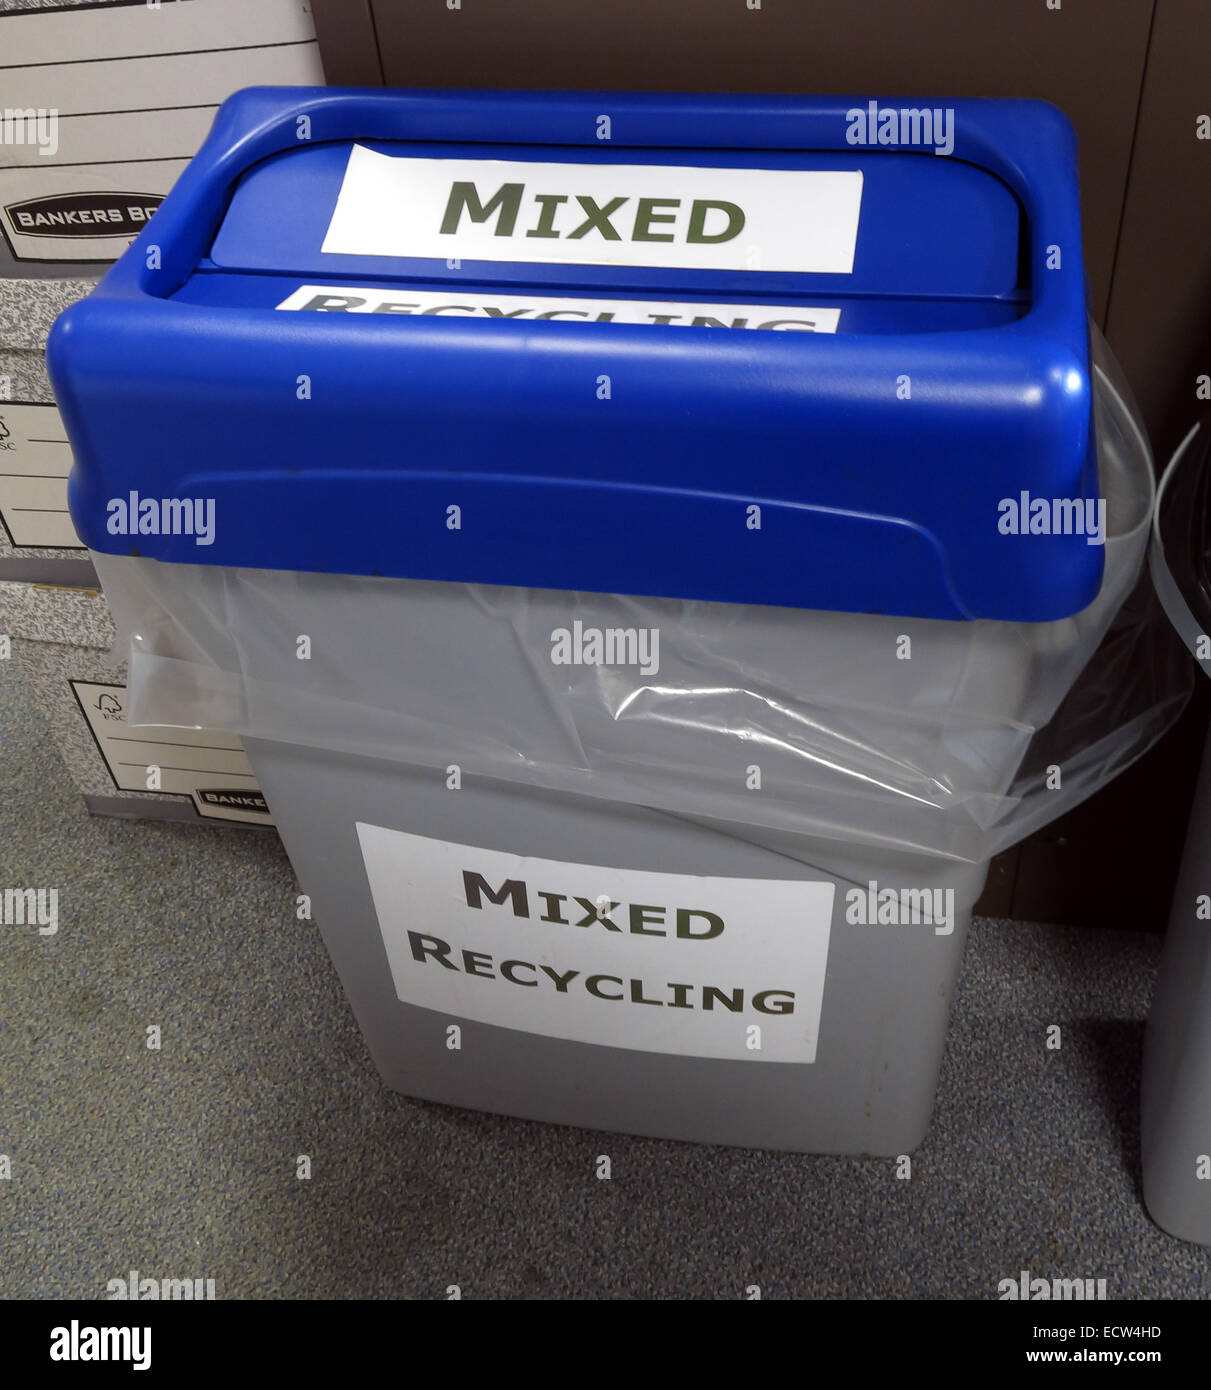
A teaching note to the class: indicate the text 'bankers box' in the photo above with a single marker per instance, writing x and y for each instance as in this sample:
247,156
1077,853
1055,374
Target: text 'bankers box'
637,539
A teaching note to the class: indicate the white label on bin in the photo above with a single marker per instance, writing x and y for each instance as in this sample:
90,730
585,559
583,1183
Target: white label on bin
359,299
652,962
661,215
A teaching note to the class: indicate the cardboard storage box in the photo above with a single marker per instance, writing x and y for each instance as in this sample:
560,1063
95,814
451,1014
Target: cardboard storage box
61,638
37,538
105,104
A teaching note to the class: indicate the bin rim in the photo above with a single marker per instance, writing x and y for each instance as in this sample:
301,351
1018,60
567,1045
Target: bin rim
1174,601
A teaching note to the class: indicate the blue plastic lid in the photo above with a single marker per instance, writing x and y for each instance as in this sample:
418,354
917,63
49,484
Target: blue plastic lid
826,352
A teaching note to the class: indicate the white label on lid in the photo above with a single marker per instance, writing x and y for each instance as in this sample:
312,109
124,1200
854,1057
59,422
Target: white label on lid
358,299
658,215
652,962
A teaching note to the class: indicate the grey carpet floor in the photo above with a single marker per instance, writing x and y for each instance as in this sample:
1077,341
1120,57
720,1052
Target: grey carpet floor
182,1162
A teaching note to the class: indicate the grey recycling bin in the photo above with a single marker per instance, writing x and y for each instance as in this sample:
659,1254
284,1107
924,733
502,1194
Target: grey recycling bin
1175,1119
726,901
638,539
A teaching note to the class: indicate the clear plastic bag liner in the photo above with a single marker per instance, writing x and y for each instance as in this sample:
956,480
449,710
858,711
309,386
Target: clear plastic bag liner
804,721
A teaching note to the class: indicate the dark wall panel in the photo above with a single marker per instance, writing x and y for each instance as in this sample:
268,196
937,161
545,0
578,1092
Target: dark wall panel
1087,57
